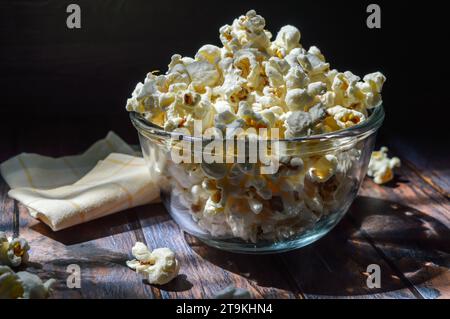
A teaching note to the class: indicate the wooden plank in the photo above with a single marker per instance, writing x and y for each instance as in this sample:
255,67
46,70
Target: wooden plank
430,162
336,266
411,248
100,248
207,270
409,222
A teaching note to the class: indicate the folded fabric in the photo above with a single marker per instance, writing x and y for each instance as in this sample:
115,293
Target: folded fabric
57,193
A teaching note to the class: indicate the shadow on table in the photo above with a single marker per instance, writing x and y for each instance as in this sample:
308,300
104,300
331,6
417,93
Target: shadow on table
117,223
410,247
178,284
396,181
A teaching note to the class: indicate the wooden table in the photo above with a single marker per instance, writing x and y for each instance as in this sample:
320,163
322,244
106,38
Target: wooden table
404,227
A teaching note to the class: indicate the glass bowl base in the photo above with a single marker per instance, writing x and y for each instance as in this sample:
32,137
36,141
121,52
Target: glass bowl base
184,219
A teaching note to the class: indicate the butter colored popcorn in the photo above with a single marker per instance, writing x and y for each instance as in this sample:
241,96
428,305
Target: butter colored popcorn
381,167
10,285
287,39
254,81
23,285
13,252
323,168
159,266
250,68
344,117
34,287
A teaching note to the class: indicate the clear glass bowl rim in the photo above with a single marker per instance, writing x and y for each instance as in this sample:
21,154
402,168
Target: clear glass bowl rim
365,128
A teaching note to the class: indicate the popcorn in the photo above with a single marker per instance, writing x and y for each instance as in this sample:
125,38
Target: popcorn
209,53
381,167
141,252
287,38
375,80
296,78
10,285
246,32
253,82
159,266
33,286
298,122
202,73
250,68
23,285
251,118
222,107
344,117
13,252
274,73
313,61
323,168
232,85
298,99
246,60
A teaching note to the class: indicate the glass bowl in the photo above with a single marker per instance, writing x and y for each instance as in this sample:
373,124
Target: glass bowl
237,207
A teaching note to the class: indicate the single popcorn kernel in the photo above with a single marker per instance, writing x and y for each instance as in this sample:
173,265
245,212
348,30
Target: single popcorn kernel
323,168
381,167
159,266
13,251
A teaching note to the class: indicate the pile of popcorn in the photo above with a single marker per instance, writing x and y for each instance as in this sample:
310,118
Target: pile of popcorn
21,284
253,82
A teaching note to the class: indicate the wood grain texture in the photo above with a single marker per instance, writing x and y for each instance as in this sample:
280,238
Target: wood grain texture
75,77
429,161
403,226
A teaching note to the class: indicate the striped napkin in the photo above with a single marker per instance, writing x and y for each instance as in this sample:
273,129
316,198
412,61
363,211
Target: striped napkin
66,191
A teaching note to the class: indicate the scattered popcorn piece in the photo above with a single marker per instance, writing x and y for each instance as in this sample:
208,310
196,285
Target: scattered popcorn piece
34,287
23,285
10,285
159,266
13,252
231,292
381,167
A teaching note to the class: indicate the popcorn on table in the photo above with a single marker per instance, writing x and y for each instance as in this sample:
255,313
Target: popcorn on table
159,266
23,285
13,251
252,81
381,167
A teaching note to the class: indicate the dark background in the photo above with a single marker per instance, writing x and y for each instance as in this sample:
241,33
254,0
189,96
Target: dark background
61,87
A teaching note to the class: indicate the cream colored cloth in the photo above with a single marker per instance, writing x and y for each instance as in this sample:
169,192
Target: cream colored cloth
57,193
